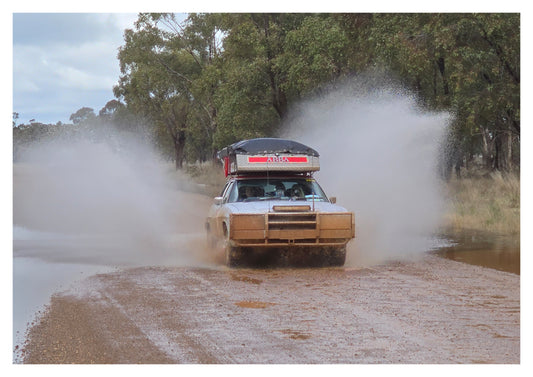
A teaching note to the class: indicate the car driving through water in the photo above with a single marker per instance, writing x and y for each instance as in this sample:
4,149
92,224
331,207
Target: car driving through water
271,201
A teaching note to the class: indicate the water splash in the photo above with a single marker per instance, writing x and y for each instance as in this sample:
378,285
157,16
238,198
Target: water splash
378,154
86,201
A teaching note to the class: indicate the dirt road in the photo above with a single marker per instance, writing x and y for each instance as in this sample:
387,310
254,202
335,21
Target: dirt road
431,310
428,311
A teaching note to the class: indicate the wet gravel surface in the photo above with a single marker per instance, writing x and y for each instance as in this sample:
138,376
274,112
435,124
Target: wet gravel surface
431,310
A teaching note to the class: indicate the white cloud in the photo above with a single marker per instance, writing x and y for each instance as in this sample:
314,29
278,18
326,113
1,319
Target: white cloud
124,20
73,78
84,67
66,56
25,84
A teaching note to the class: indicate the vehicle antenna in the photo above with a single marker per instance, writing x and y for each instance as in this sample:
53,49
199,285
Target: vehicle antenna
268,183
313,193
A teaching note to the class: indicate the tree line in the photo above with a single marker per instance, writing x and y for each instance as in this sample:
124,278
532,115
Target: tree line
213,79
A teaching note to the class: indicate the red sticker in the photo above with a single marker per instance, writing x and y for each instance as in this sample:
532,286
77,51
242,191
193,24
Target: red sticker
277,159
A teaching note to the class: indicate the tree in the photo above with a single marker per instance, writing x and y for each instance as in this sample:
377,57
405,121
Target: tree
218,78
465,63
109,110
252,96
83,115
161,64
314,54
15,118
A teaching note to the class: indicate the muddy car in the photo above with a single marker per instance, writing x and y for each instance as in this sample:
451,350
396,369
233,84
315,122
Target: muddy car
271,202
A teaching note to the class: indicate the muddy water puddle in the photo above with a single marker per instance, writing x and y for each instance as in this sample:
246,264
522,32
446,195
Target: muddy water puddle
492,251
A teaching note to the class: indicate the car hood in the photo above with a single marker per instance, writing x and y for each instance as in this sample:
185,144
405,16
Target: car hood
266,206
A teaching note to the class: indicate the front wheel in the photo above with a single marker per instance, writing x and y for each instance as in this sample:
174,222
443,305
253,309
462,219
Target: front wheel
337,257
211,241
233,255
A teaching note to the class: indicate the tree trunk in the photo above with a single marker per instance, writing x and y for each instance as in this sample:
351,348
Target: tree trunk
502,157
509,146
445,86
458,165
279,100
486,147
177,133
179,147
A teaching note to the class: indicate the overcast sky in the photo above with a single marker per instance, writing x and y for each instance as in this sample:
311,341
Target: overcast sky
65,61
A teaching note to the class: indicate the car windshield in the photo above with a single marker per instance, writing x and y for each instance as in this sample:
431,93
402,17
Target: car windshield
299,188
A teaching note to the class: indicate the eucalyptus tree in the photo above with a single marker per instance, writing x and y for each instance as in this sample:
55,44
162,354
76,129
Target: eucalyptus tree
83,115
314,54
271,61
161,64
487,85
15,118
465,63
218,78
251,99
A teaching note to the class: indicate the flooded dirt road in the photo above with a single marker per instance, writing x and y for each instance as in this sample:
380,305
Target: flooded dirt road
159,298
432,310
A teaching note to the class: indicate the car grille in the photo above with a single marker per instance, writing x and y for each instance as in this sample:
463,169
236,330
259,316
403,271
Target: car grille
292,221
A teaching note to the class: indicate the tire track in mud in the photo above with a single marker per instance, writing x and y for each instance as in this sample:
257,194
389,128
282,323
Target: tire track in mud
427,311
223,328
144,300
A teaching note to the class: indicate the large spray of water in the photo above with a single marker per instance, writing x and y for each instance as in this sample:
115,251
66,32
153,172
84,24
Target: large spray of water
378,155
90,201
118,204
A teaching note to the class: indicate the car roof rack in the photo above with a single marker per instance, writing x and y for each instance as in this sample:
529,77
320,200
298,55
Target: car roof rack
268,155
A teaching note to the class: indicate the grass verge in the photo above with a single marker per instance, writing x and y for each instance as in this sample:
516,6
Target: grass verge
490,204
208,175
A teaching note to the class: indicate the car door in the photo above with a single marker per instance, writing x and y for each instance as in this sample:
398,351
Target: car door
218,212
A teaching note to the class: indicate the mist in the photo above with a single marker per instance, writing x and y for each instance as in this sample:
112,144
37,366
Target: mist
378,156
93,201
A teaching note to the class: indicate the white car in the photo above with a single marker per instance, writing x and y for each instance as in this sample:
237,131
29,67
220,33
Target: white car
279,206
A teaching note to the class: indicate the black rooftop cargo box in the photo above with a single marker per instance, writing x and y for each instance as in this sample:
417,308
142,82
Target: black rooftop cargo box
269,154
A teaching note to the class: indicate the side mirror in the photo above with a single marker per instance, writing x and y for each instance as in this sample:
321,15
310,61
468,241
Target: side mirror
218,200
333,199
